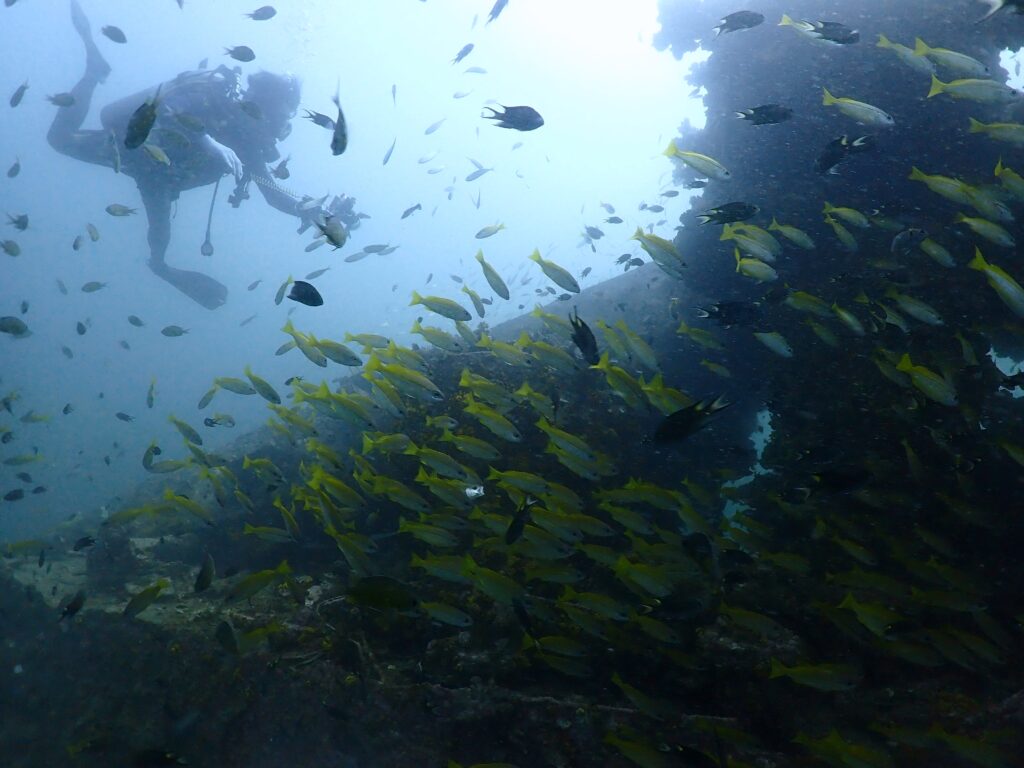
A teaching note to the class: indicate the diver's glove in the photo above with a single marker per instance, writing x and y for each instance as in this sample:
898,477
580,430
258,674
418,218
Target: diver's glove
226,155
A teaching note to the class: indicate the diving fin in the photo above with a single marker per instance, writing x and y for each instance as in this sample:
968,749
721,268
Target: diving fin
95,64
202,289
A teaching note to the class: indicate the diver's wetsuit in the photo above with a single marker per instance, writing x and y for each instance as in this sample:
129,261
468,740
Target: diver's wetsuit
192,108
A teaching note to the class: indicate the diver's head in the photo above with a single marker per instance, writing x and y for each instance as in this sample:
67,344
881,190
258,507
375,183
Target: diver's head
278,98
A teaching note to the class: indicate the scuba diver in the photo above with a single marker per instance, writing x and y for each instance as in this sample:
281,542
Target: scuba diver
206,126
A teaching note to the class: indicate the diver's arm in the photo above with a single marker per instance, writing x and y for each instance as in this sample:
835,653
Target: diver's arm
225,154
274,195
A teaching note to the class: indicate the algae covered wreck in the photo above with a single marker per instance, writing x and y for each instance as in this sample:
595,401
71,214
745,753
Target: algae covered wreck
496,551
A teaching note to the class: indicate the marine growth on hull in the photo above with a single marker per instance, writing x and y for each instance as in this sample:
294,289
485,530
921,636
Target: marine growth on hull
554,542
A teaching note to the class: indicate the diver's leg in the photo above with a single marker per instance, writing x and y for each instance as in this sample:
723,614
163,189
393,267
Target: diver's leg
95,65
64,134
202,289
158,214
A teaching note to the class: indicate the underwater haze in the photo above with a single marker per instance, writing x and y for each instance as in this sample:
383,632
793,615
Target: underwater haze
584,66
507,383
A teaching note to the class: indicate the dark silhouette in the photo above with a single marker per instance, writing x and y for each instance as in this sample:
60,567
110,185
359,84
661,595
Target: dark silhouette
207,126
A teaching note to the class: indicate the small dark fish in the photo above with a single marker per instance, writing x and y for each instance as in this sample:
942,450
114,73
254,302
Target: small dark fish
61,100
114,33
463,53
697,184
67,409
728,213
839,150
737,21
411,210
83,543
305,293
73,606
14,495
730,313
684,422
254,284
907,240
584,339
652,208
124,344
205,576
42,557
518,524
226,636
19,222
670,193
613,220
316,273
586,271
80,327
13,325
136,321
387,155
834,32
66,351
140,124
173,331
339,141
124,416
478,173
7,437
15,169
25,477
766,114
280,171
516,118
320,119
190,122
241,53
19,94
39,489
496,10
247,320
262,13
593,232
